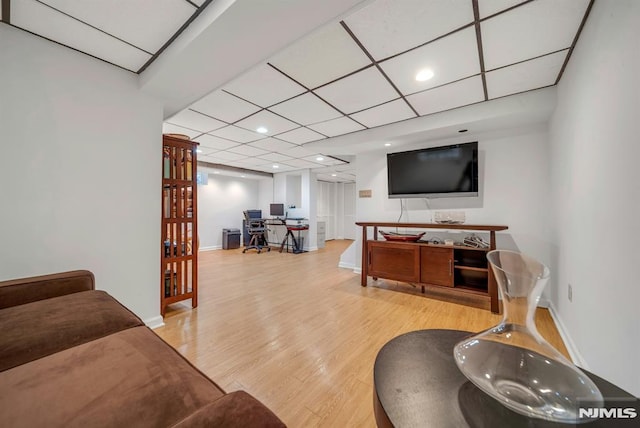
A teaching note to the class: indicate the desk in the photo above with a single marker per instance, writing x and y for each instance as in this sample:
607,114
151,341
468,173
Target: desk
297,243
416,383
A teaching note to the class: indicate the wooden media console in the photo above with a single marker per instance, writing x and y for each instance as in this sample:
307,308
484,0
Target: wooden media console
453,269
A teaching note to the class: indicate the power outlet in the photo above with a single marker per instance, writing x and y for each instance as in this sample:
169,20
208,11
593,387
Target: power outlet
570,293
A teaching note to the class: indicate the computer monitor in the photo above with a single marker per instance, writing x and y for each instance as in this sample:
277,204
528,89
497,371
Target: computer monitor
276,210
254,213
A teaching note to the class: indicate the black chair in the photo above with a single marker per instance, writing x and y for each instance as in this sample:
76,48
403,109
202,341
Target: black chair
257,230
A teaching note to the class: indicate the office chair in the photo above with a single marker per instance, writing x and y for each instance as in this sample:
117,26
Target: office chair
256,229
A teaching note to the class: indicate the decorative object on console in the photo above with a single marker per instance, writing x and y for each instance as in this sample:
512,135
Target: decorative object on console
449,217
513,363
475,241
405,237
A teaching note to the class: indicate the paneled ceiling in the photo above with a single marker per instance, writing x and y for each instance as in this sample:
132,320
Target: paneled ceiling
353,74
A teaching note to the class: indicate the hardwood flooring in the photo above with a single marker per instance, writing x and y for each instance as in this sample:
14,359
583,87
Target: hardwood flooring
301,334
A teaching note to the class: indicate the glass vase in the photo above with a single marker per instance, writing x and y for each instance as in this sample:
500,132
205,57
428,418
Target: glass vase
513,363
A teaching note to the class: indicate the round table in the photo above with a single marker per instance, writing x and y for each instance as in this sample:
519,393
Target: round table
416,383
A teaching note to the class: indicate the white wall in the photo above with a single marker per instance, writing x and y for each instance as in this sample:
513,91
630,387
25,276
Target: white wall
220,206
594,170
336,207
514,191
79,170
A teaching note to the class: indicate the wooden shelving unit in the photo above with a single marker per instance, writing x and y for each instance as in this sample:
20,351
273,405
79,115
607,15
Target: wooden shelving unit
178,246
451,269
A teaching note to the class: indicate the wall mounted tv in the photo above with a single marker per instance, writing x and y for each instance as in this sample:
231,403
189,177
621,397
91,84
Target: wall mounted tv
436,172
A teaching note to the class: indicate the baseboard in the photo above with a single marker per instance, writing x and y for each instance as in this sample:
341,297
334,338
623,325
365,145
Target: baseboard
154,322
575,355
215,247
346,265
357,270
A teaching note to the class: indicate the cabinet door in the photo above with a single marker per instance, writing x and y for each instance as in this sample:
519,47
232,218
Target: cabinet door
394,261
436,266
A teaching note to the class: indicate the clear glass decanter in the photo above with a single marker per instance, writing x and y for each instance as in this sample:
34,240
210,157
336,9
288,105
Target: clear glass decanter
513,363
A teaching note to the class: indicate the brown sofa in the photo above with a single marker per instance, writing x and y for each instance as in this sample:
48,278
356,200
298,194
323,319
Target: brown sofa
74,356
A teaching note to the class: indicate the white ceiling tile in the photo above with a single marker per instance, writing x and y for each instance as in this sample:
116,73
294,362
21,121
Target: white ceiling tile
301,163
272,144
222,156
234,133
301,136
525,76
275,167
216,143
299,152
168,128
450,96
489,7
274,157
224,106
44,21
451,58
321,57
531,30
264,86
339,126
358,91
247,162
247,150
138,22
388,27
275,124
198,2
386,113
194,120
306,109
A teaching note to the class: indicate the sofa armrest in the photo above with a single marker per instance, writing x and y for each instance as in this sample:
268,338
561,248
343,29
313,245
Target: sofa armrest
236,409
25,290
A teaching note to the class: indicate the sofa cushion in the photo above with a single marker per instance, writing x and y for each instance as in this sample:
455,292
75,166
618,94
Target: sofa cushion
236,409
41,328
128,379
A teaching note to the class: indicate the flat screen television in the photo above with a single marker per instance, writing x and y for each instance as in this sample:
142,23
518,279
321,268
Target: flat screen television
276,210
436,172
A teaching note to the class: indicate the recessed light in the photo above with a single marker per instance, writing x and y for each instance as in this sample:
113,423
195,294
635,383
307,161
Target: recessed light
262,130
276,166
463,130
320,158
333,175
424,75
242,176
198,151
387,144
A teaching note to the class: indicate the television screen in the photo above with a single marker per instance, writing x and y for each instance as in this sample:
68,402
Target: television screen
437,172
276,210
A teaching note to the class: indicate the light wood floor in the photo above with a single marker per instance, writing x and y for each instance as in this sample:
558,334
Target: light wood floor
301,334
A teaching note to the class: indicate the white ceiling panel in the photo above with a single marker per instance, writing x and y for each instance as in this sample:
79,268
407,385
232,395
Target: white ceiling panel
275,157
301,136
386,113
339,126
358,91
275,167
225,156
388,27
452,58
216,143
168,128
299,152
247,150
531,30
275,124
321,57
489,7
249,162
46,22
272,144
224,106
450,96
264,86
326,160
194,120
533,74
301,163
306,109
145,24
234,133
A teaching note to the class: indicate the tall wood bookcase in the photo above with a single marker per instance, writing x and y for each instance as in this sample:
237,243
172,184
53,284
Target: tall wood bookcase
179,237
